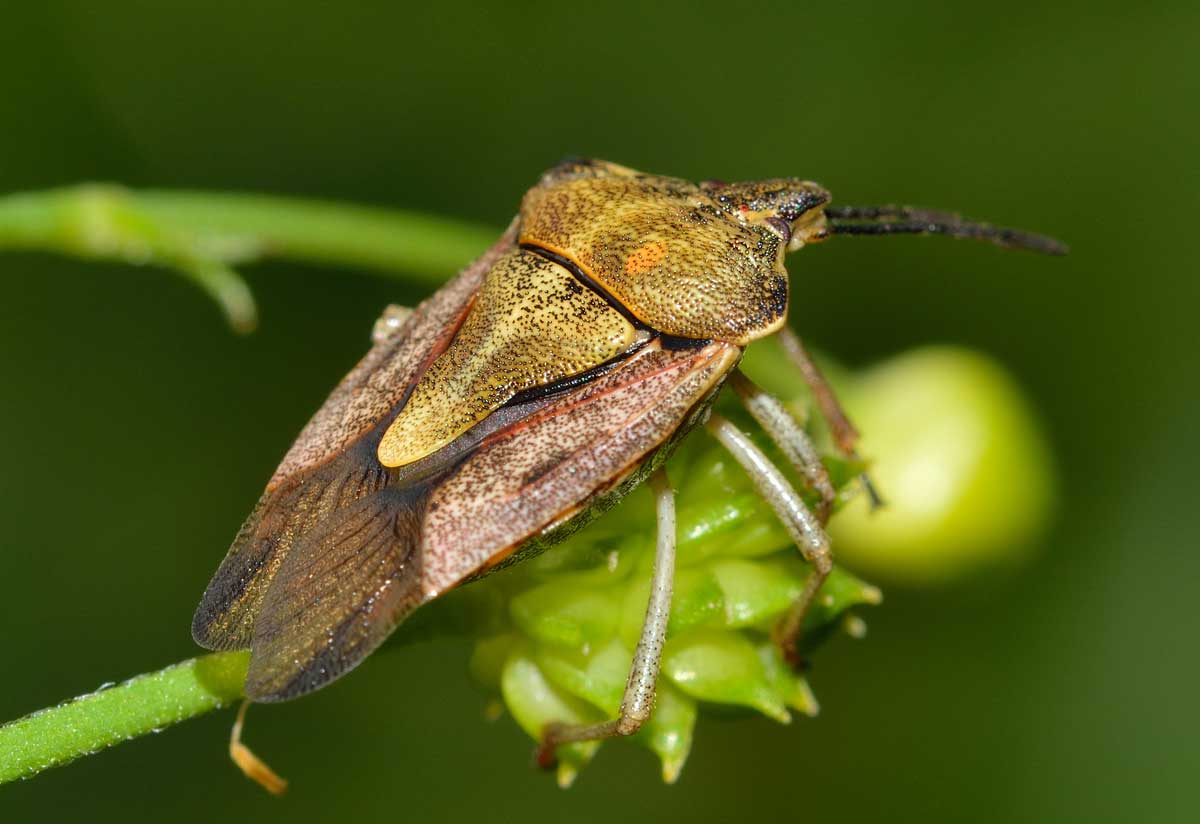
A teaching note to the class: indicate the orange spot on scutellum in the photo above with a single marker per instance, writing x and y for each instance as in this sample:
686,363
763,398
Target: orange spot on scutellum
645,257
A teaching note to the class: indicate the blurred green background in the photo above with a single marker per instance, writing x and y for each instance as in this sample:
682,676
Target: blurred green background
139,431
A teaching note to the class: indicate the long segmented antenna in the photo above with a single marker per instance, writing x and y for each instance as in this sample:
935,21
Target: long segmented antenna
906,220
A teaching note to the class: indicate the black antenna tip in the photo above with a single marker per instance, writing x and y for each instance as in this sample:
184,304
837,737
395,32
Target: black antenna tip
906,220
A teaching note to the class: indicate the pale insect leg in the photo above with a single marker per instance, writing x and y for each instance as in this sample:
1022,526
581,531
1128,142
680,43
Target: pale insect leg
250,764
802,525
844,433
783,428
638,701
393,317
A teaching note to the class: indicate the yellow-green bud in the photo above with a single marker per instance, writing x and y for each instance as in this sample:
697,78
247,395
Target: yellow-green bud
957,454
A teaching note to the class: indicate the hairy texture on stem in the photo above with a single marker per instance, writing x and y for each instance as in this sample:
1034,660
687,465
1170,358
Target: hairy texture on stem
110,715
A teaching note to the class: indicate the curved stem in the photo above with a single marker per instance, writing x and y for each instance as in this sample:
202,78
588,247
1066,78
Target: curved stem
200,234
429,247
141,705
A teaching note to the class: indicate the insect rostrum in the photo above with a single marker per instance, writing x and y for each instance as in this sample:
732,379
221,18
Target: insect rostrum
544,382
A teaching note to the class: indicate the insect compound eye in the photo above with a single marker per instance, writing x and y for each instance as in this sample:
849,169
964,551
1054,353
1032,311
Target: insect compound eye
780,227
796,203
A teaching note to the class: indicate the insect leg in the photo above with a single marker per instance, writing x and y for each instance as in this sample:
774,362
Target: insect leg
799,521
250,764
783,428
394,316
638,701
844,433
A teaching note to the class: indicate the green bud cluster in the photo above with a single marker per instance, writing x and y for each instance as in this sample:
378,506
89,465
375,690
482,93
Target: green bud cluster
559,630
565,624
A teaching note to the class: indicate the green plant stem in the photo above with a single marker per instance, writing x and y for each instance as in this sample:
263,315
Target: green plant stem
202,234
238,227
141,705
427,247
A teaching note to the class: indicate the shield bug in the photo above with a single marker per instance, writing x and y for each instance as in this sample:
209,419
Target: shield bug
525,397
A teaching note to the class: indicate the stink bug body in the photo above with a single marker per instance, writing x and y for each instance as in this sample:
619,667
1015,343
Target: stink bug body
544,382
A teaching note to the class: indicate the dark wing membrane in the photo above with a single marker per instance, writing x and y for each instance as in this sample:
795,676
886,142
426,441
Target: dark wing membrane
338,595
283,518
330,467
